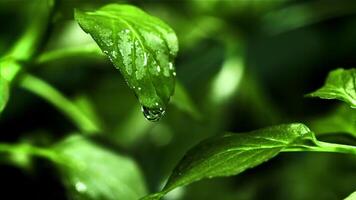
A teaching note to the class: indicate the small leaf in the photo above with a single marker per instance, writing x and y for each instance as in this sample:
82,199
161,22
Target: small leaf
91,172
141,46
340,84
232,154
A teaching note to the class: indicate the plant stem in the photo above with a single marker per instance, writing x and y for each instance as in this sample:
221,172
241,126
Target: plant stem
324,147
86,50
28,149
49,93
27,45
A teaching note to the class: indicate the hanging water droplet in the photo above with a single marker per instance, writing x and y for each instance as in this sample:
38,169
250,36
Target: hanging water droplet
153,114
174,74
170,64
80,186
139,88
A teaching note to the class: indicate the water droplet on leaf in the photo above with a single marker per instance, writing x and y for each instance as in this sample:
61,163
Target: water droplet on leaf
153,114
80,187
170,66
158,68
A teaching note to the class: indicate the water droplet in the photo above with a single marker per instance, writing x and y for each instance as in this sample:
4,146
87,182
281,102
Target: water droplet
144,59
174,74
114,54
153,114
170,64
158,68
80,186
139,88
109,43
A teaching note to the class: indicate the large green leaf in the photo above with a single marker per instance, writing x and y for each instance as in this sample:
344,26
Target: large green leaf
232,154
91,172
340,84
141,46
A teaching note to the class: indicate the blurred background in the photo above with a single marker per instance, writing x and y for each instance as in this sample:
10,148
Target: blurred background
243,64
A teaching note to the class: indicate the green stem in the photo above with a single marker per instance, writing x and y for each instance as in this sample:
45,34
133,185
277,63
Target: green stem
87,50
324,147
27,45
49,93
28,149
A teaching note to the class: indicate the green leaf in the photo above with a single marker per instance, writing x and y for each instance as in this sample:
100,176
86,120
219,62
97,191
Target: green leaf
91,172
4,93
351,196
232,154
340,84
141,46
340,120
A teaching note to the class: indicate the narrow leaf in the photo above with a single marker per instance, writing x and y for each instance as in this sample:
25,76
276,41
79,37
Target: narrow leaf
232,154
91,172
340,84
141,46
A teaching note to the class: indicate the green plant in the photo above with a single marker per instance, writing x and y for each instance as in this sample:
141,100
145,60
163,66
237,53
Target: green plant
89,159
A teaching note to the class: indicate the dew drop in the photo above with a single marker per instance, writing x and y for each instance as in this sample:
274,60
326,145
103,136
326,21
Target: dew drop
158,68
114,54
174,74
144,59
170,64
139,88
80,186
153,114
